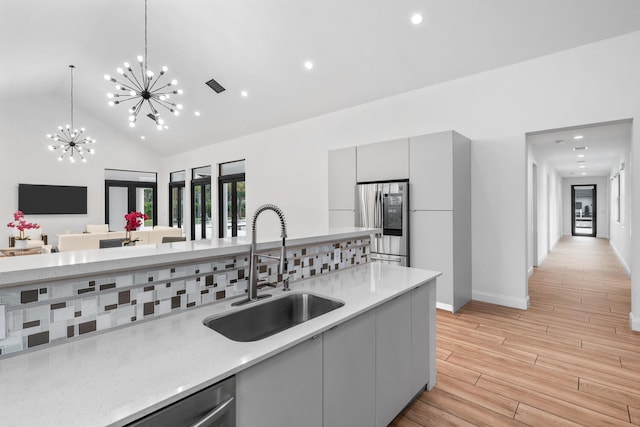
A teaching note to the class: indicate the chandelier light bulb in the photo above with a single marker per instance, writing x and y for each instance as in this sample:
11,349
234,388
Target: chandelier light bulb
174,82
132,124
140,59
180,106
120,70
165,69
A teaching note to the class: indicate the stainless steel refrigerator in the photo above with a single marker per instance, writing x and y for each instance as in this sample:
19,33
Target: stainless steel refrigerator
385,205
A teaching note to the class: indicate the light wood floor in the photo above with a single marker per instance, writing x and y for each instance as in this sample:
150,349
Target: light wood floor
570,359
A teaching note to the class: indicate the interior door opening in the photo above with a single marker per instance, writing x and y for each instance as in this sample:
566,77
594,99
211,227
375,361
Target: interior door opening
583,218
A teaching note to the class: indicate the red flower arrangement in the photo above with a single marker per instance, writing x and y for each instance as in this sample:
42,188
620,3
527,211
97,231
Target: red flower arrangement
134,220
21,225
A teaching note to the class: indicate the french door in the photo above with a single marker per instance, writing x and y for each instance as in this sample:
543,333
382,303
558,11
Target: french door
201,208
122,197
583,215
176,205
232,205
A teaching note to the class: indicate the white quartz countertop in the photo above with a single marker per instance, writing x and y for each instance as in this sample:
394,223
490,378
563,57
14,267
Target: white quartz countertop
115,377
18,270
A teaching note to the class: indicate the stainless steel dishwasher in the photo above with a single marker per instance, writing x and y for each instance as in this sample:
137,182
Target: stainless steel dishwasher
215,406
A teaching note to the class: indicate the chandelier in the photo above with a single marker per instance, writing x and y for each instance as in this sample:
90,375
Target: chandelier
71,140
145,88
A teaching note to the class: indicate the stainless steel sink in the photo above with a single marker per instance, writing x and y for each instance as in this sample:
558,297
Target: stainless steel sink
270,317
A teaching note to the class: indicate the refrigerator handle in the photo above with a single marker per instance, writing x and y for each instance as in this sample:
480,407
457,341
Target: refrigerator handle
378,209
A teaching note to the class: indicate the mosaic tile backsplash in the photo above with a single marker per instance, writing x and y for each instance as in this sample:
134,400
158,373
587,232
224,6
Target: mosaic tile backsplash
55,311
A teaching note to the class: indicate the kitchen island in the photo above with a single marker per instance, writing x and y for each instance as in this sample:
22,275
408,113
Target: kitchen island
124,373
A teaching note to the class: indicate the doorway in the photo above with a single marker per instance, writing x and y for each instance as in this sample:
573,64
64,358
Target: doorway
201,203
583,218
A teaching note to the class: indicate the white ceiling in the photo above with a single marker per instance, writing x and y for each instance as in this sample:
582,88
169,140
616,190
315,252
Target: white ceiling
363,50
605,142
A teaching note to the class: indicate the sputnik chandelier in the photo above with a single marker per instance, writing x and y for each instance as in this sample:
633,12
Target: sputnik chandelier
144,89
71,140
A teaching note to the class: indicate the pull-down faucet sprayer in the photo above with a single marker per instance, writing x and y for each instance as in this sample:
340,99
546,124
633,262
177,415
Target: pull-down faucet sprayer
252,284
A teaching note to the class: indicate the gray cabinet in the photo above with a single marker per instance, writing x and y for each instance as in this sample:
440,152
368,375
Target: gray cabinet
423,338
383,161
440,176
393,359
350,372
284,390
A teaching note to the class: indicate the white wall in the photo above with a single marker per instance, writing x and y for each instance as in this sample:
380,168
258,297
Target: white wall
620,231
288,165
26,159
602,202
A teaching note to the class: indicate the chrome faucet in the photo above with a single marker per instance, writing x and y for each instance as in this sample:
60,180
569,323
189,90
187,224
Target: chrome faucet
252,284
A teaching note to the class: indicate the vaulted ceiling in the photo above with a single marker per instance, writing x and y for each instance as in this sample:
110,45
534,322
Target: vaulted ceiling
362,50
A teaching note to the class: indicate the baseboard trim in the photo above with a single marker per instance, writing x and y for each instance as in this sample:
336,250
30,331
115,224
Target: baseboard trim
624,264
634,322
513,302
443,306
529,272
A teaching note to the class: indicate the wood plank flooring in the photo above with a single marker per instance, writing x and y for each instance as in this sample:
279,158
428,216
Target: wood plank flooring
569,360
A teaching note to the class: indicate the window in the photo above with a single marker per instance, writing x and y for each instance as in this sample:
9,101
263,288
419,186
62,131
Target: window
176,199
127,191
201,203
232,199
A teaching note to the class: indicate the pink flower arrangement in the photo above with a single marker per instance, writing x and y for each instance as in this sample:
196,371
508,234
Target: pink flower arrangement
134,220
21,225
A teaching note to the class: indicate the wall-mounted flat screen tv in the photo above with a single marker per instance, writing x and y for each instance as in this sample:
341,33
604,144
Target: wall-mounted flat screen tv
36,199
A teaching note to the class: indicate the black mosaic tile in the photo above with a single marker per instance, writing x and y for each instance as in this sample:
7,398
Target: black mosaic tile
240,274
209,280
149,288
107,286
221,294
191,304
31,324
181,292
43,290
124,297
204,291
70,331
78,314
85,290
58,305
175,302
38,339
92,283
28,296
110,307
87,327
148,308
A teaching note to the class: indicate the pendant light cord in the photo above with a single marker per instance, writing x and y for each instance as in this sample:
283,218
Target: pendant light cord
71,67
145,37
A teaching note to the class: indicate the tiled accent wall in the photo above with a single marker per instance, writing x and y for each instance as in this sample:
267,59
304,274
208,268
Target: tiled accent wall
54,311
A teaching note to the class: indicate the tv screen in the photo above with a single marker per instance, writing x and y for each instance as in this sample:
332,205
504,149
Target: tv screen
52,199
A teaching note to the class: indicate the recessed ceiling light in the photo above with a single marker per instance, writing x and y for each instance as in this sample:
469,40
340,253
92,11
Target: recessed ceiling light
580,156
578,137
244,93
583,173
308,65
197,113
143,137
582,167
417,18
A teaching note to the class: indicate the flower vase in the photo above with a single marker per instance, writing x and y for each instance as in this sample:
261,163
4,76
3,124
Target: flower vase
21,244
127,238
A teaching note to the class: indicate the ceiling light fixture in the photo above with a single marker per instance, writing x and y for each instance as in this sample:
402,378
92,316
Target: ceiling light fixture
308,65
580,148
146,88
417,18
244,93
197,113
583,173
70,138
578,137
582,167
580,156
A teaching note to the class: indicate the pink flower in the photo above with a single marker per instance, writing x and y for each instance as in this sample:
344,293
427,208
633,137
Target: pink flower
20,224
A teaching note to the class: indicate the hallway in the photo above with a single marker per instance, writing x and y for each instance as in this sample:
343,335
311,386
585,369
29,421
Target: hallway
570,359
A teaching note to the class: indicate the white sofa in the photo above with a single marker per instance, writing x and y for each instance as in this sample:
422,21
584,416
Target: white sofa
84,241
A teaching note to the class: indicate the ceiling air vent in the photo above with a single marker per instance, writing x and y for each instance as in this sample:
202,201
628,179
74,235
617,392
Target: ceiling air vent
217,87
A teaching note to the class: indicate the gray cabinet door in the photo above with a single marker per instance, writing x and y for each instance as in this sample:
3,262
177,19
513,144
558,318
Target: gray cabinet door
383,161
350,373
423,338
393,358
284,390
432,249
431,171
